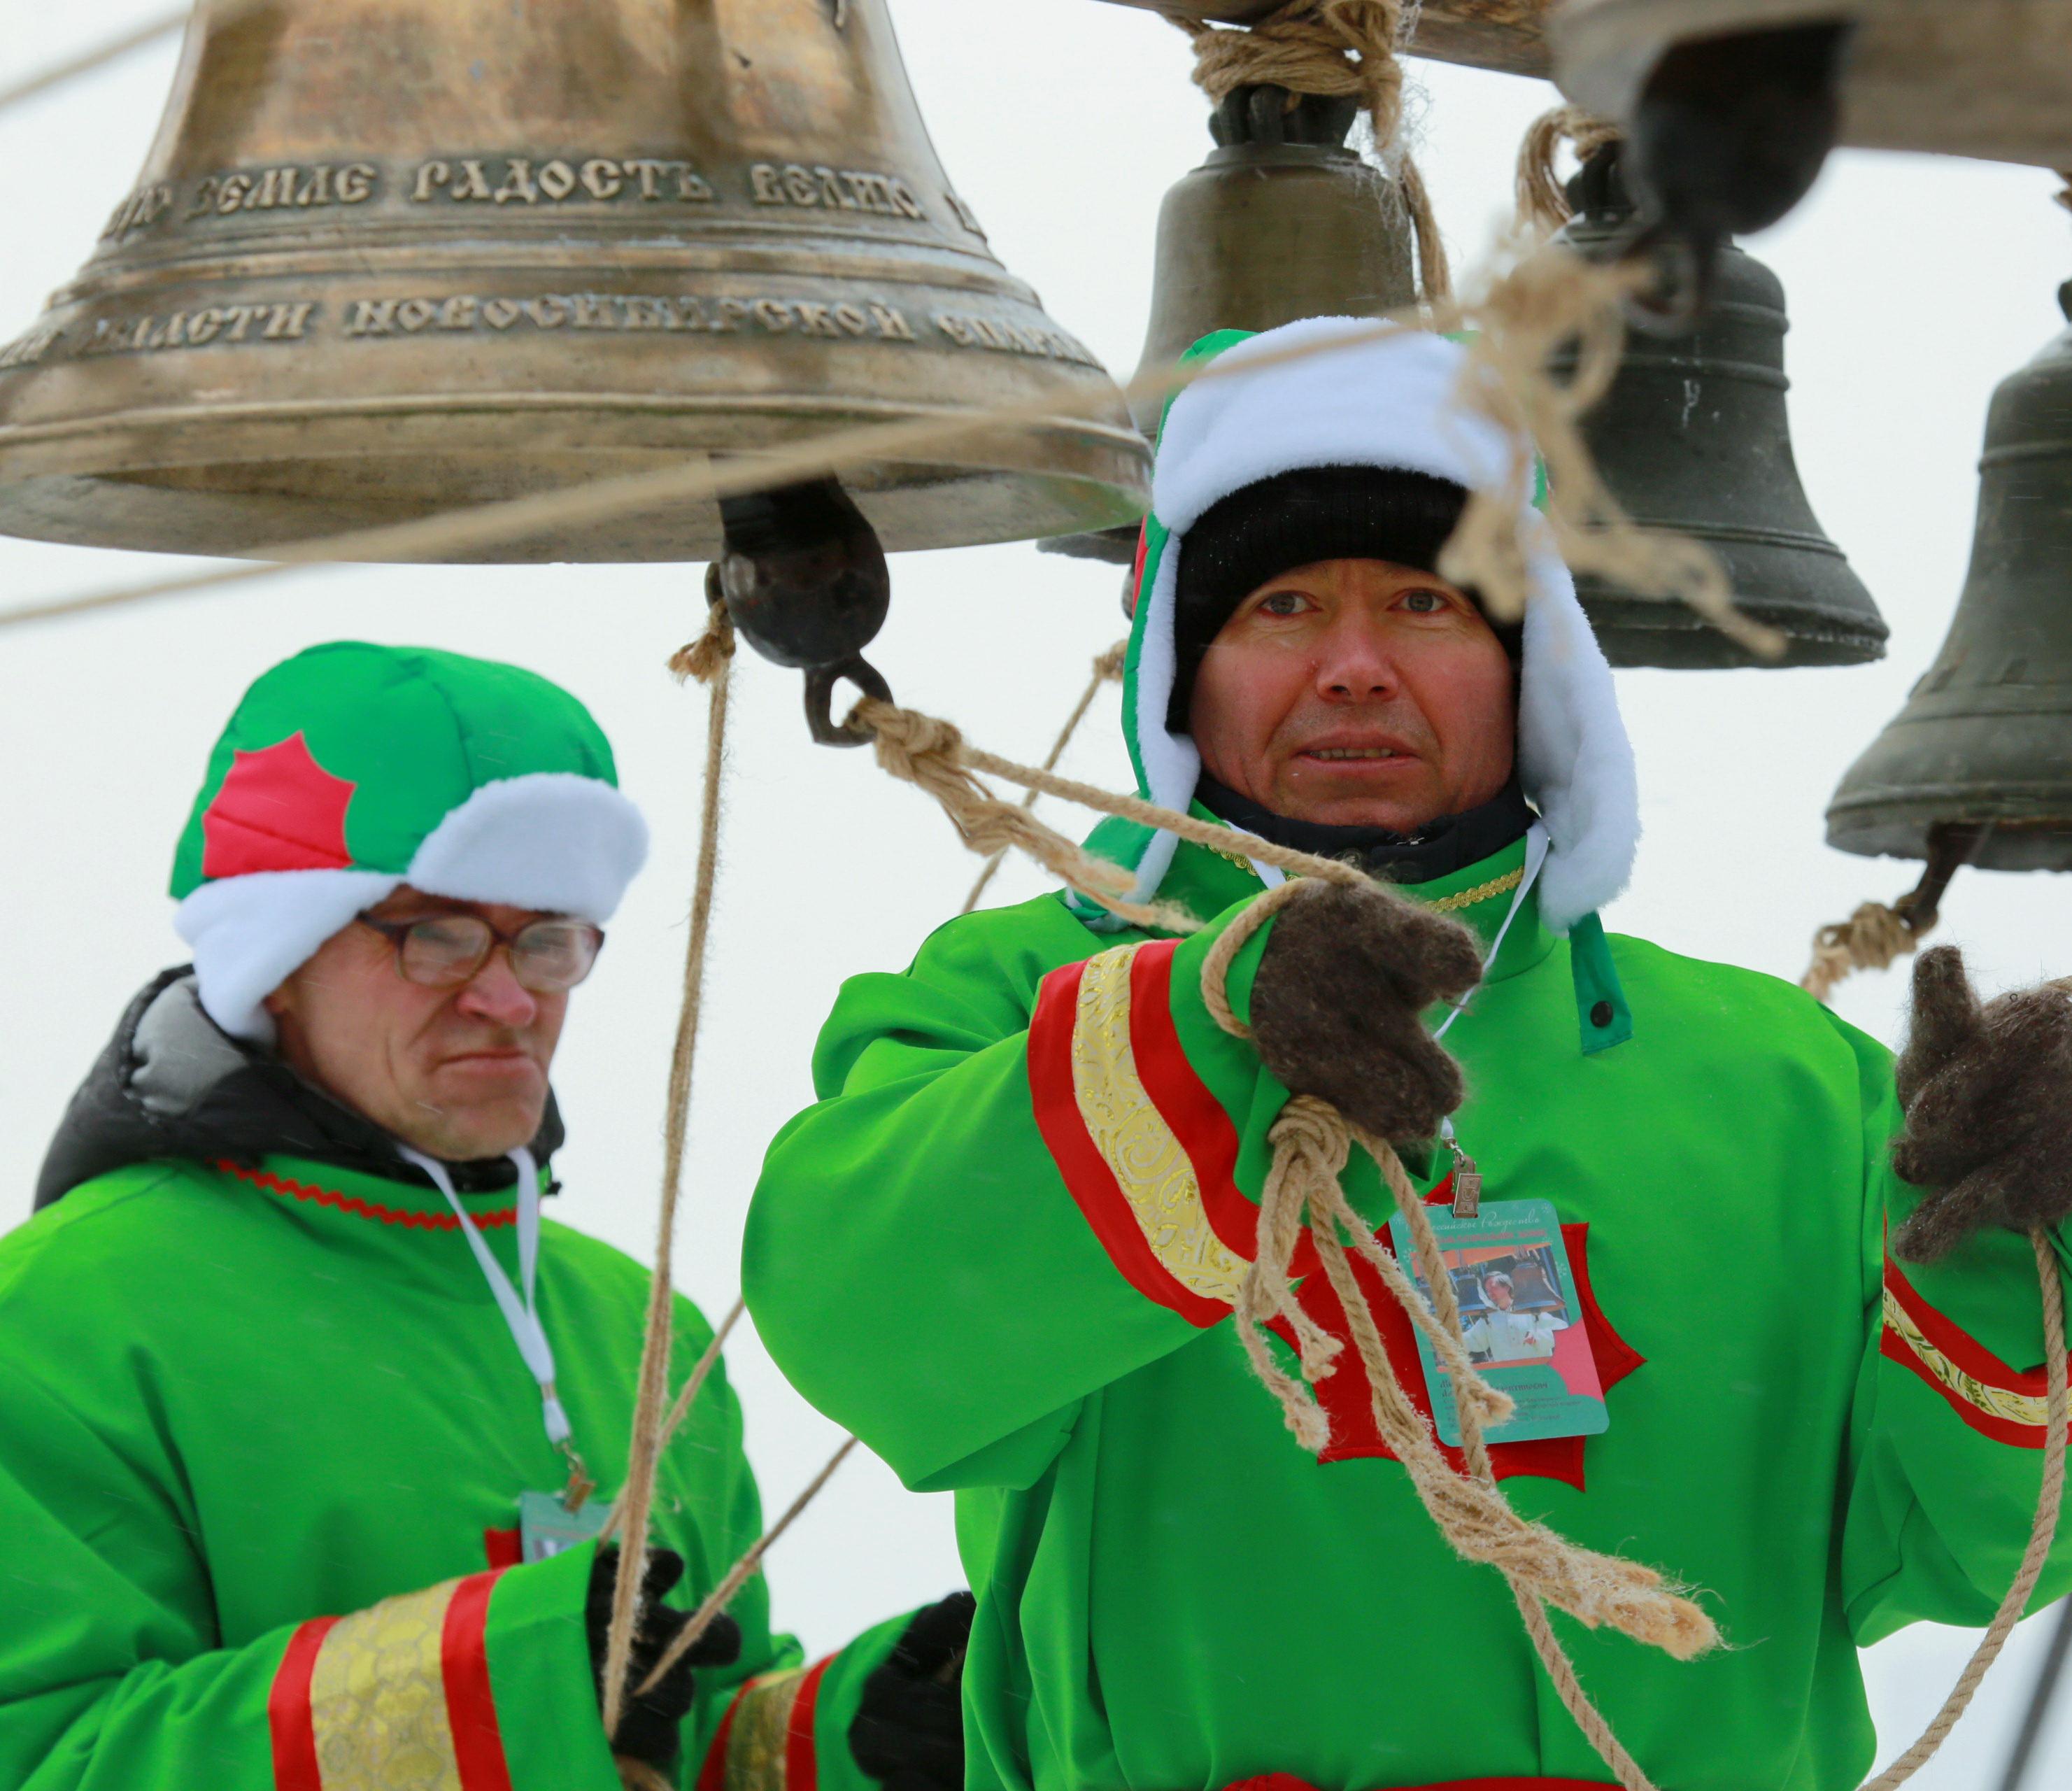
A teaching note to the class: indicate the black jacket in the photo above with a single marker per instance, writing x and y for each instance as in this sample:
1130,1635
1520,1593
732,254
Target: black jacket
172,1083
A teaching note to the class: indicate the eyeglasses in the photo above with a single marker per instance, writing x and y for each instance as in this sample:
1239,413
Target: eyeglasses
443,951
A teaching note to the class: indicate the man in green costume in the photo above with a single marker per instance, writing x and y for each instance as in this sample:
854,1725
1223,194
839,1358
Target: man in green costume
1005,1245
304,1398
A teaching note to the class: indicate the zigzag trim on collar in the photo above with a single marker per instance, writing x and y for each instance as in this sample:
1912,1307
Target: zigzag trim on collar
363,1209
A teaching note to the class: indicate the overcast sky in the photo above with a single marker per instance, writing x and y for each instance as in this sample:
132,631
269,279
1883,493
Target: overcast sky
1915,285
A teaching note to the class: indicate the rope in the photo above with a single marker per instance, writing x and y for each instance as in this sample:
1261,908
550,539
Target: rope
928,752
1340,49
651,1423
681,1408
1869,939
1107,669
1552,300
1311,1142
86,61
739,1575
1542,202
1876,934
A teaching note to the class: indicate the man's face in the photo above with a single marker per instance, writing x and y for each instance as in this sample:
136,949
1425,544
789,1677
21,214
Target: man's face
1498,1295
1360,693
457,1073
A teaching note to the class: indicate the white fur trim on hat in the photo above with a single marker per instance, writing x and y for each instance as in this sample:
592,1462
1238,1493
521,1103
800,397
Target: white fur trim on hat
1392,400
553,841
249,934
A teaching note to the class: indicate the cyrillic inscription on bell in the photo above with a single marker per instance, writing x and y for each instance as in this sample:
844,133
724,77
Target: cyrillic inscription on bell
1693,437
391,257
1985,737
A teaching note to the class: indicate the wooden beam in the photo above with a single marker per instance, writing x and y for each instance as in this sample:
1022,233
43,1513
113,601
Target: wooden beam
1507,35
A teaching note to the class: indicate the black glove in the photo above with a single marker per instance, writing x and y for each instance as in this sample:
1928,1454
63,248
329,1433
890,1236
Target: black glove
1337,1005
1987,1093
648,1725
909,1731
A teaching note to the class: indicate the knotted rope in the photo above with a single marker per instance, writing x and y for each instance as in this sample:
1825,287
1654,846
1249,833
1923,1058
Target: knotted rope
1542,202
1550,301
1107,669
1876,934
710,659
1869,939
1340,49
1312,1141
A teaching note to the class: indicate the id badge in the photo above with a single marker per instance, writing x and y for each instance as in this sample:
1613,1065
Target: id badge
547,1527
1520,1319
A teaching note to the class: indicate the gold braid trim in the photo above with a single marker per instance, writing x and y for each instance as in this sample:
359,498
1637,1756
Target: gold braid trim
755,1746
2004,1403
1445,904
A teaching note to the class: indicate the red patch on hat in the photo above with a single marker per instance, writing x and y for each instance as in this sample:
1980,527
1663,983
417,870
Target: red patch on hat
278,810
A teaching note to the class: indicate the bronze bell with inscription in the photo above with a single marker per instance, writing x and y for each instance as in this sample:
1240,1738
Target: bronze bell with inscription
1693,437
1283,221
389,257
1982,751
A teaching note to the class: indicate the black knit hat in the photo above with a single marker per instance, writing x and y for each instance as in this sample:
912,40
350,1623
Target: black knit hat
1295,519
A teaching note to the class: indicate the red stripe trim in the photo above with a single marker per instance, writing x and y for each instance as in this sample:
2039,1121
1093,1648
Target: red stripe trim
364,1209
1198,1119
478,1742
1965,1351
712,1775
1895,1348
802,1759
288,1709
1086,1172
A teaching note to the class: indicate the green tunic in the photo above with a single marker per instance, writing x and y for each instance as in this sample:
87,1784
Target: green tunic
1003,1245
242,1402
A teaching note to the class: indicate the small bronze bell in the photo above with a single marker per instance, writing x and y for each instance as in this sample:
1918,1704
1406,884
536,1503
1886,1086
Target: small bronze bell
1985,739
1693,437
1282,221
388,258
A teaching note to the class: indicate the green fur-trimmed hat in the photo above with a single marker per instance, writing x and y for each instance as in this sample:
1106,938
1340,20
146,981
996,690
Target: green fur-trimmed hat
353,769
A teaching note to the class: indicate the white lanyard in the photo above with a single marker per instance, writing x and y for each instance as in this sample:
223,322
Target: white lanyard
521,1314
1535,856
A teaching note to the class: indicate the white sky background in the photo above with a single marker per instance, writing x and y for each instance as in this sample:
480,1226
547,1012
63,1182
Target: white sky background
1915,285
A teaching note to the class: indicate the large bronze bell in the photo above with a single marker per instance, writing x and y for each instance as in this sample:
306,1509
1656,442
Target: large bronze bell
1693,437
390,257
1985,739
1282,221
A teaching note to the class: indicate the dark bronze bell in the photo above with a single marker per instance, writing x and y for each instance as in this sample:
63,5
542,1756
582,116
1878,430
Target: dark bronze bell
1985,78
1282,221
1693,437
1985,738
387,257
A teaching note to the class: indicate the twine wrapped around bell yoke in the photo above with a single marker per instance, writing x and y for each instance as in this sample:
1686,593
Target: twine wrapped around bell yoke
1340,49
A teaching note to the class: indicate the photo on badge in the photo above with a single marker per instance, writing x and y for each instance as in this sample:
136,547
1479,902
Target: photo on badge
1521,1321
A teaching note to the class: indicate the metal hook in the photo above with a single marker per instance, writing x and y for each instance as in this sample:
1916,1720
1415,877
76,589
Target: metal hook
820,682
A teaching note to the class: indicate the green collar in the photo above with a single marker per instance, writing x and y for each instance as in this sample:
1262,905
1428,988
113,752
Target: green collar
401,1207
1205,882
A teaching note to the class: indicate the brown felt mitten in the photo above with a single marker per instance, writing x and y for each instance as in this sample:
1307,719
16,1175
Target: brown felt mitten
1987,1093
1337,1005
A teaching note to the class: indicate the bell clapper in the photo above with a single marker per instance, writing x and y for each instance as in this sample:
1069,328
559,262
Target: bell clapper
804,581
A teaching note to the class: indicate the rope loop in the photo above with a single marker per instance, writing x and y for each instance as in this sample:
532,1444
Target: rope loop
1338,49
712,653
1542,202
